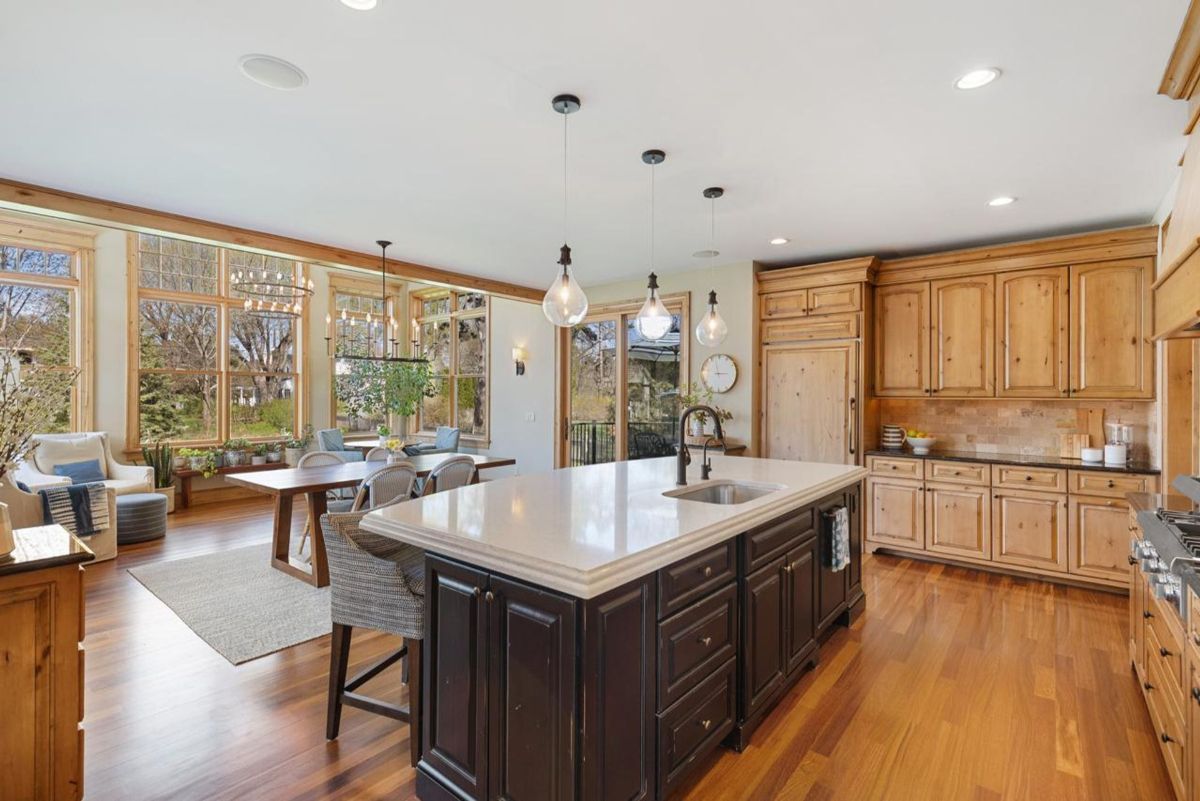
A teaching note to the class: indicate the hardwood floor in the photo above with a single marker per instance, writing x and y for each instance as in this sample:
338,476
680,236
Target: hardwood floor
953,685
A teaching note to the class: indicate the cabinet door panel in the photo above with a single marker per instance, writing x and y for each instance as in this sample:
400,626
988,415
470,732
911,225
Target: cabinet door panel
963,342
1112,355
1032,318
809,402
902,340
532,701
958,520
455,675
793,303
1030,529
896,513
1099,543
831,586
801,572
835,299
765,614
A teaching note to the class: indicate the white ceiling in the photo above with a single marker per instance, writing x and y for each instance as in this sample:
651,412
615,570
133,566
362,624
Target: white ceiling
832,123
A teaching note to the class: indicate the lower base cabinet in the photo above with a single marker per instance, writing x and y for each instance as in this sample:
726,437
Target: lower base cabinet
1030,529
1099,542
533,695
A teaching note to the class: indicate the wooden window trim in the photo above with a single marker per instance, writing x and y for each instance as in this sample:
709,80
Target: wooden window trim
45,235
362,287
416,298
677,303
223,369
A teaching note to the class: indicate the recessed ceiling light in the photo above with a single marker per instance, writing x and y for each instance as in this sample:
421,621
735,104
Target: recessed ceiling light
360,5
977,78
1003,200
706,254
272,72
779,240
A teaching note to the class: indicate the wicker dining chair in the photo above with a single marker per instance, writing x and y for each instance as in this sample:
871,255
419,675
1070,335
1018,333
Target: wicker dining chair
378,454
338,502
375,583
391,483
455,472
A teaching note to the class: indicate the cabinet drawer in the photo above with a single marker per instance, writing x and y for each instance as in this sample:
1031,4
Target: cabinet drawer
690,579
764,543
694,642
785,304
957,472
835,299
1044,479
1168,727
895,466
694,726
1109,485
831,326
1163,647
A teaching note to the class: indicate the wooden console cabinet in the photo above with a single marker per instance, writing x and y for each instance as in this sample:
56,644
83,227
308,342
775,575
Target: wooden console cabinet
41,667
536,695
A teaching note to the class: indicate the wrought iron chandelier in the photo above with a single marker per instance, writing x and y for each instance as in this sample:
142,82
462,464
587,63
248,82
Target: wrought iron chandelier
389,339
271,295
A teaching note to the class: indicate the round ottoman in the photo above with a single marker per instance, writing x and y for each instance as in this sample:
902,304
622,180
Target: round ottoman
141,517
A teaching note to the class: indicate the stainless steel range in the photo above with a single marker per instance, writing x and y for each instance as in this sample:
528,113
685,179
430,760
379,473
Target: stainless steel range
1170,545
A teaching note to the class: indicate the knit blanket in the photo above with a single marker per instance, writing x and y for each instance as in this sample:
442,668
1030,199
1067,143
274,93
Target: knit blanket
81,509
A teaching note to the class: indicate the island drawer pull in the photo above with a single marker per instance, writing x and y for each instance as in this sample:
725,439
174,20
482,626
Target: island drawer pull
489,596
708,571
475,591
705,641
704,724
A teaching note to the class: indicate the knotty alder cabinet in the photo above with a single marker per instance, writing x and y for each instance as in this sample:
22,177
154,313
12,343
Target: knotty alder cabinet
1081,331
1044,521
535,695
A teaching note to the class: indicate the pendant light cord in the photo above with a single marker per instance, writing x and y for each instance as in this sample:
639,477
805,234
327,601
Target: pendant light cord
653,167
564,182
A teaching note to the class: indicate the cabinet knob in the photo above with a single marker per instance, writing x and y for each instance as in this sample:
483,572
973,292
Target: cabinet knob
1132,561
1147,686
489,596
1163,652
1196,694
705,641
1166,738
1148,614
707,571
1111,484
704,724
788,567
1029,478
1196,638
476,592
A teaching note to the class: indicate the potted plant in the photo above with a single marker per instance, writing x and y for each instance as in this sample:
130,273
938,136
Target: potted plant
259,454
160,457
384,433
233,452
274,452
698,422
203,462
295,447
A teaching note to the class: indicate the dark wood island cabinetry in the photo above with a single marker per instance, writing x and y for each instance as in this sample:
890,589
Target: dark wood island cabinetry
537,695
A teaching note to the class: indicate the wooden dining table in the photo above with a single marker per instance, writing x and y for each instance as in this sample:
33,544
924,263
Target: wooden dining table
285,485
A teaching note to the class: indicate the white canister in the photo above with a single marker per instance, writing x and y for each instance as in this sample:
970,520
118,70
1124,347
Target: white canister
7,543
1093,455
1114,454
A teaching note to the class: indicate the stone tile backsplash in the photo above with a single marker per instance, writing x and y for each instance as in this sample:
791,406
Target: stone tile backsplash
1022,427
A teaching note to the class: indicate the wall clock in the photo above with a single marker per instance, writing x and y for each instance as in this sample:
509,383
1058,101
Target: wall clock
719,372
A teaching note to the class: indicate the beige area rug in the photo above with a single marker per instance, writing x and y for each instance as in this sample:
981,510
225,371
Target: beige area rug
237,603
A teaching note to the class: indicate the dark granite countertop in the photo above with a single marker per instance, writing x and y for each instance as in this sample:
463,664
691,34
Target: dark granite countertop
43,547
1024,460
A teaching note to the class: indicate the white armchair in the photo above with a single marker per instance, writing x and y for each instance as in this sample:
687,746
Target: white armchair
37,470
25,508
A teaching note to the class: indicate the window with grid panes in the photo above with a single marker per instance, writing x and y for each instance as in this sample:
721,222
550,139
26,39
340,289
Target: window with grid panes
452,329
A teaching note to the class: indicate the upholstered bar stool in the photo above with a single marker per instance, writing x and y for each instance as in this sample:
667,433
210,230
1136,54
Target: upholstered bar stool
376,583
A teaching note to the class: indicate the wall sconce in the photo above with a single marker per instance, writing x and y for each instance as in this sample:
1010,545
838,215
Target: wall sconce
518,354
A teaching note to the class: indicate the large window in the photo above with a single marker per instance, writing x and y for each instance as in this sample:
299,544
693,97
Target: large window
45,274
357,329
452,329
207,371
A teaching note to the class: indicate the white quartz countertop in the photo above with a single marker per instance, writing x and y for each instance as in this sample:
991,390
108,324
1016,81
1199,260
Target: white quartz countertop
586,530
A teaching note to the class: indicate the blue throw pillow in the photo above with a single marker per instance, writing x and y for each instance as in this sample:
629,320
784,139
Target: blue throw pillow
334,440
80,472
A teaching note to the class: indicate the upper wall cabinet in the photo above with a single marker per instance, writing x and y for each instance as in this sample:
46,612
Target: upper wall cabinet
1032,312
902,340
1112,355
962,337
834,299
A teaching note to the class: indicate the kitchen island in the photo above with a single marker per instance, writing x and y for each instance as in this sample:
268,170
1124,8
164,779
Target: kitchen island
593,632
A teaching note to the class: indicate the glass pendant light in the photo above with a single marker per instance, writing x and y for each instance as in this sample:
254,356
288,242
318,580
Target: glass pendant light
565,303
712,329
653,320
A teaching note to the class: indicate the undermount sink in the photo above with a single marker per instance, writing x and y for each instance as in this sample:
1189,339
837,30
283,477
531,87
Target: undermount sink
725,493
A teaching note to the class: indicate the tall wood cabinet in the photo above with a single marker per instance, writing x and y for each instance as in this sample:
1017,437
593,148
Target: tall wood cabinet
1112,353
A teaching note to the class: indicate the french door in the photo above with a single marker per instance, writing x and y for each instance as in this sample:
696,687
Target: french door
620,391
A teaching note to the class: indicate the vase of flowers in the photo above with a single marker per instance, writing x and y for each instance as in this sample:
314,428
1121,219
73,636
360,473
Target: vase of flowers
393,445
697,395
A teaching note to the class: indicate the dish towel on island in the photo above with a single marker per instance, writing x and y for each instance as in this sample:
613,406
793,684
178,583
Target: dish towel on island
839,539
81,509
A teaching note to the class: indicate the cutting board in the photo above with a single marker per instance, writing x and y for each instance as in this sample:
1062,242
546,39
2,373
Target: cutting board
1091,422
1069,445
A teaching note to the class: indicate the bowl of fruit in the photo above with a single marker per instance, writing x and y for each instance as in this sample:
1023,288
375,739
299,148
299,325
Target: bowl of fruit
920,441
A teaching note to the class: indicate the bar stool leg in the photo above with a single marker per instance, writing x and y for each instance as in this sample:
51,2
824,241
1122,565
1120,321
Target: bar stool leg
339,661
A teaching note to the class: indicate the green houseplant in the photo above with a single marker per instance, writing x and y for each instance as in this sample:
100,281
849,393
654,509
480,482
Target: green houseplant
202,461
161,457
696,394
385,388
259,454
295,447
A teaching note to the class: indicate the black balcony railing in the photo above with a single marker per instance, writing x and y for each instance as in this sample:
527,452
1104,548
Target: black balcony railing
594,441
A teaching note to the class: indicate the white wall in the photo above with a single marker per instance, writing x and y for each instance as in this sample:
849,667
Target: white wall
734,284
522,414
111,353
